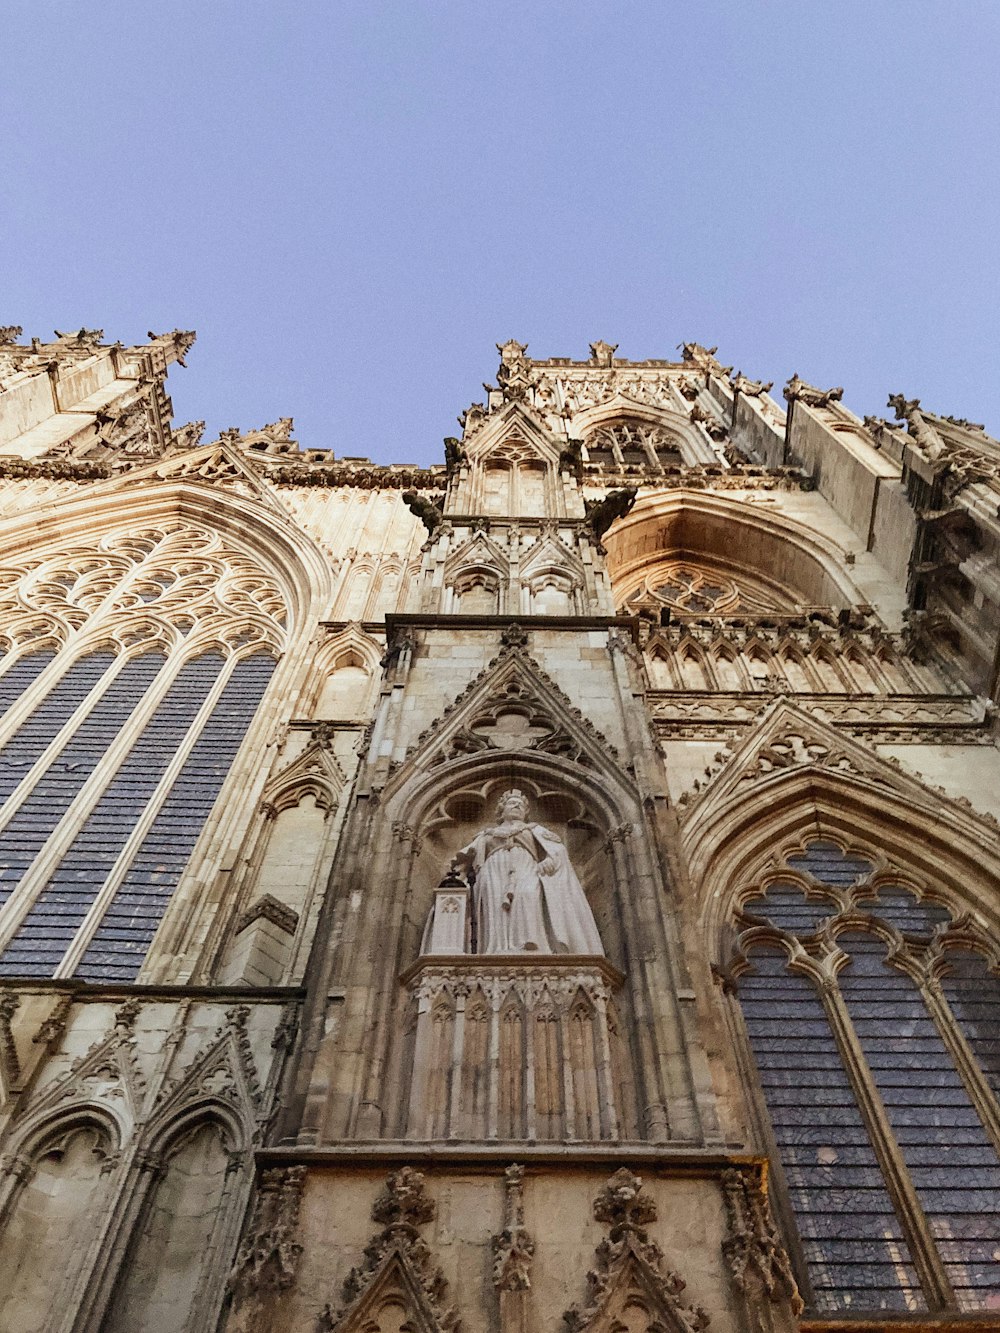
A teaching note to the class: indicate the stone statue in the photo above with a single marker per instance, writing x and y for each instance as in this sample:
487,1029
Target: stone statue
527,898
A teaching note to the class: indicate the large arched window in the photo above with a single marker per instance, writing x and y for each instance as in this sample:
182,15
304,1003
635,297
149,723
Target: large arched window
117,735
872,1009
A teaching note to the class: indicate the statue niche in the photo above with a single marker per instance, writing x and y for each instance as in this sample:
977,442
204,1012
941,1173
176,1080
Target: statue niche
514,1031
526,897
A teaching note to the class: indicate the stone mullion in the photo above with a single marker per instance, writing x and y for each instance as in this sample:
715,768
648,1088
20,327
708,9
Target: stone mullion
530,1126
119,870
417,1113
564,1005
496,994
609,1112
950,1031
930,1270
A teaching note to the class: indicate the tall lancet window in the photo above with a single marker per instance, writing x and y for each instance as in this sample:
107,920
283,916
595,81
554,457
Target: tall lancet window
872,1012
133,671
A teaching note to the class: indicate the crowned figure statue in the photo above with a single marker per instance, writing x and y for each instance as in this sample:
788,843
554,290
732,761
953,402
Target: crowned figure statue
526,895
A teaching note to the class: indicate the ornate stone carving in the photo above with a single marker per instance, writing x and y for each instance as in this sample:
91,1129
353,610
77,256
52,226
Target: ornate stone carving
427,510
513,683
631,1272
602,354
398,1268
269,1256
83,337
748,387
600,514
758,1263
578,1054
704,358
188,436
513,1248
515,375
455,455
9,333
797,390
9,1062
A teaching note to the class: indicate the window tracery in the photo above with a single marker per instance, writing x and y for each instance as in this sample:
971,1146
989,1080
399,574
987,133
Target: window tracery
113,750
691,588
631,441
871,1008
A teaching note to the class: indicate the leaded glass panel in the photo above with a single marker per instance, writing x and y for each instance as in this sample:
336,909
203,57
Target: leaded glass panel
853,1242
126,931
924,1122
40,812
48,929
20,674
973,994
37,732
953,1165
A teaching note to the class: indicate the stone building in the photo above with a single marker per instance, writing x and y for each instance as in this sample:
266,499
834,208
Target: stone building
556,888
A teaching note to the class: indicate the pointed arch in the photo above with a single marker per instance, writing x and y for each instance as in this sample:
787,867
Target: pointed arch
349,695
796,775
774,553
676,426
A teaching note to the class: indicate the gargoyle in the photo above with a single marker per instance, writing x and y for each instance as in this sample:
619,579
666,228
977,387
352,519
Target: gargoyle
426,510
454,454
600,514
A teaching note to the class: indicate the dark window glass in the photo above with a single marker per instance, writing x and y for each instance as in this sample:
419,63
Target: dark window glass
952,1163
126,932
827,863
19,675
38,730
787,907
48,929
973,992
902,909
853,1243
38,814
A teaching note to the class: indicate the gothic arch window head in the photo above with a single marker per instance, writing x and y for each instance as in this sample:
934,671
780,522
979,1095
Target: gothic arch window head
633,442
114,749
871,1006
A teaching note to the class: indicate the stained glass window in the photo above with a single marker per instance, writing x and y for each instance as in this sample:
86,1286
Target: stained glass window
858,994
97,855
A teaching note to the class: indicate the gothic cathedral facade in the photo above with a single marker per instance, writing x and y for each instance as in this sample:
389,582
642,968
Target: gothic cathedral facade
557,888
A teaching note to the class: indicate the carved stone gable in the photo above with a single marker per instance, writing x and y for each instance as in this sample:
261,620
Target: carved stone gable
631,1287
513,705
398,1288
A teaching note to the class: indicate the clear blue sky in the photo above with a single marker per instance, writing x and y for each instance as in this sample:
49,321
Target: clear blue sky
352,202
